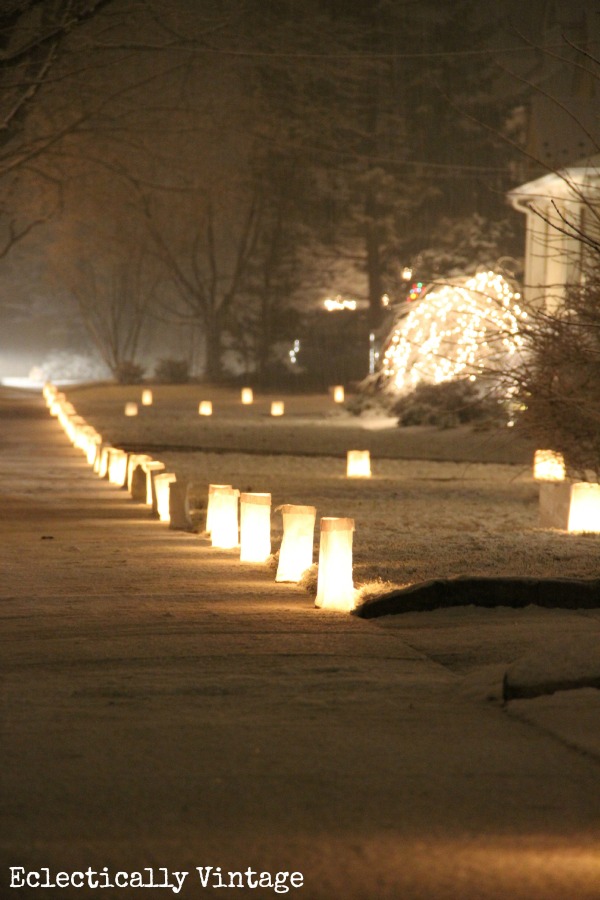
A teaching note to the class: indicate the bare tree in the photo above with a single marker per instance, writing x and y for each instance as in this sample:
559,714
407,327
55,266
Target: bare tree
109,103
115,304
32,41
32,35
206,258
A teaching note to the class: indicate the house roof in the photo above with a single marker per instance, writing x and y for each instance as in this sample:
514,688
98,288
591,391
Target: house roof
572,182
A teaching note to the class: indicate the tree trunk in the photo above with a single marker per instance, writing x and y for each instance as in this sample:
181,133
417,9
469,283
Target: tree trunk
374,279
213,369
264,337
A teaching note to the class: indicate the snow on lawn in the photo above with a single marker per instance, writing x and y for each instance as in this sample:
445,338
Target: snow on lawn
440,503
445,513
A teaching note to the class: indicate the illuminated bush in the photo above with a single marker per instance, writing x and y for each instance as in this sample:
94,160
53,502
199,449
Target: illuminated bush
467,328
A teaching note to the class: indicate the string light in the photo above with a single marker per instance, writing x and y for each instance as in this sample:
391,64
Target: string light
293,353
459,329
338,303
416,290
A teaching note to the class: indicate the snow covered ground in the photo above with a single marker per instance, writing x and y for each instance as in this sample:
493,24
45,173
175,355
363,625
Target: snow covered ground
439,503
171,706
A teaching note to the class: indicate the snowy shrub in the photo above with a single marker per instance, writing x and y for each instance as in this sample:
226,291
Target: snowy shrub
172,371
447,405
129,372
367,403
465,244
374,589
68,366
309,580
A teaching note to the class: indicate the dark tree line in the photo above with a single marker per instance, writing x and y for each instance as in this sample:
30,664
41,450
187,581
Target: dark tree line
261,155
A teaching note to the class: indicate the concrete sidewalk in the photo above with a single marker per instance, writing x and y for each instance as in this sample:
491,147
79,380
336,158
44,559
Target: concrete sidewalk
166,708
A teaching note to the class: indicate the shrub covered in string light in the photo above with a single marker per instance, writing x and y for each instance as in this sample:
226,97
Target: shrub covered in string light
463,328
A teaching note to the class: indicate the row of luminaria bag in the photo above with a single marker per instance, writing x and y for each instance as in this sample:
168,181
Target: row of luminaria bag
252,534
571,506
335,587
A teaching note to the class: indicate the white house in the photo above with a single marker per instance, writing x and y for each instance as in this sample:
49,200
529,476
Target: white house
562,209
